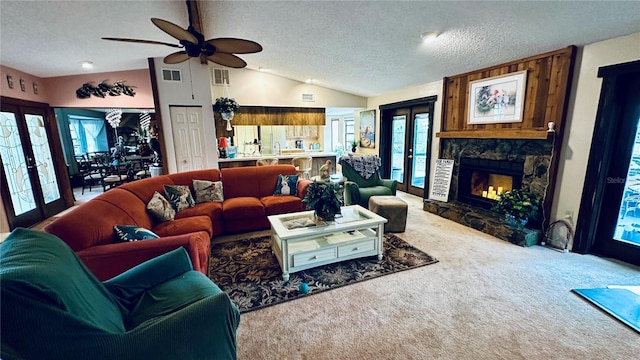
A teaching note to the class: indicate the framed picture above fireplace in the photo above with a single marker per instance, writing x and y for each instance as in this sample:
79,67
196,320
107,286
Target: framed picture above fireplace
499,99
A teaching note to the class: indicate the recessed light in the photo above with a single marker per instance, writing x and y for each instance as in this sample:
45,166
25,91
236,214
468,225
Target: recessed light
87,64
309,81
428,36
261,69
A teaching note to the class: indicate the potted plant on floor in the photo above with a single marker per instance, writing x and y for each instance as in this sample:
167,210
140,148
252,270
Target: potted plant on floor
324,199
518,207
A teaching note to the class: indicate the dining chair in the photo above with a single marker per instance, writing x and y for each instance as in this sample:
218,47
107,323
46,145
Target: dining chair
303,166
267,161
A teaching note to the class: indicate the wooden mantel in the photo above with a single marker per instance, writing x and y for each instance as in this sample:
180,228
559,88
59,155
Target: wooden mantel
539,134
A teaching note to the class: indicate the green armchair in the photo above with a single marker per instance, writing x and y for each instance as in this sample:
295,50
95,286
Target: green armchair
52,307
363,179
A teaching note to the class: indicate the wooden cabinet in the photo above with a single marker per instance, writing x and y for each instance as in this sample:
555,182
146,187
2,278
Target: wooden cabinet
269,115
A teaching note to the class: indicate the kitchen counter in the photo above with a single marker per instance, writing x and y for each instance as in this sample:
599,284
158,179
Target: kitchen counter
319,159
313,154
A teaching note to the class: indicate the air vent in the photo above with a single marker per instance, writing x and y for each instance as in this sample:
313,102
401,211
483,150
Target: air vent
171,75
221,77
308,97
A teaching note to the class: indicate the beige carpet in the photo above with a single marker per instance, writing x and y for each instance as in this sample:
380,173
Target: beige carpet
485,299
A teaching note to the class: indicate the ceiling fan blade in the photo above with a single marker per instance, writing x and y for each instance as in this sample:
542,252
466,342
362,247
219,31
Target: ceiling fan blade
176,57
229,60
195,21
143,41
174,30
235,46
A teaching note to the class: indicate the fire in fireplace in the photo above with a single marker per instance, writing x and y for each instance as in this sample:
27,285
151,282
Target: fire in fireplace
482,181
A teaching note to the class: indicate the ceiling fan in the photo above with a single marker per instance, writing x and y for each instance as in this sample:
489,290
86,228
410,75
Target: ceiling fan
220,50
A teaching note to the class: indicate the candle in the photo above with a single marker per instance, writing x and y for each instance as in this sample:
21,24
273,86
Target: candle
491,195
500,189
484,194
490,189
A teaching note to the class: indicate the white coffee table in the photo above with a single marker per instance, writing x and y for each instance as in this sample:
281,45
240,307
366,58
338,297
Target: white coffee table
300,243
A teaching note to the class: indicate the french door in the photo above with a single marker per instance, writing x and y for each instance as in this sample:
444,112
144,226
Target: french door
30,190
409,136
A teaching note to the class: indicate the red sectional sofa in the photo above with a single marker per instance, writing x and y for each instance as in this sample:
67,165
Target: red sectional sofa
248,200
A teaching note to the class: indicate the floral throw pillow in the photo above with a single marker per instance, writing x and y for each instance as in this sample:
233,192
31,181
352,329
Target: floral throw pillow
133,233
287,185
208,191
179,196
160,208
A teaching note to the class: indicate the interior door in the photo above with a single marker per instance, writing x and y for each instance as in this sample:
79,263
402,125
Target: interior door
32,192
410,144
188,138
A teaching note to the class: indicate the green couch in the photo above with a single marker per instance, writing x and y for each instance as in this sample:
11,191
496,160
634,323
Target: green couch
363,179
52,307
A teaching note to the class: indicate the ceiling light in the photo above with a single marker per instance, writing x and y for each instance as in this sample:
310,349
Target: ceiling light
261,69
428,36
87,64
309,81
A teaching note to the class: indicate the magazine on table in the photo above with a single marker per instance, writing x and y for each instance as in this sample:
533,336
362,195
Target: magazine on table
302,222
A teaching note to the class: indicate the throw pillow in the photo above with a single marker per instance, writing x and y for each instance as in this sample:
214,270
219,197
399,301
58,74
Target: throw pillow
179,196
133,233
160,208
287,185
208,191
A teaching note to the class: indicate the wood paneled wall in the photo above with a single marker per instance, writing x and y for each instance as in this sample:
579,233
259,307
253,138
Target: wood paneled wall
546,96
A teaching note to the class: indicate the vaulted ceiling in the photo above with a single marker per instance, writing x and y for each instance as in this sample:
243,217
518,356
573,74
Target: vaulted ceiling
362,47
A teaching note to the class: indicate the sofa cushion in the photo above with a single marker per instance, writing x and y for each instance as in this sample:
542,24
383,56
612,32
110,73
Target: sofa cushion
133,233
281,204
253,181
184,226
211,209
39,268
242,208
286,185
144,189
179,196
208,191
160,208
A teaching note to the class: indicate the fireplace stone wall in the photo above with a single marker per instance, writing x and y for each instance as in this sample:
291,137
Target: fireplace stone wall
536,156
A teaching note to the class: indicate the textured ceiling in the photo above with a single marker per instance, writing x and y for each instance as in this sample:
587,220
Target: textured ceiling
361,47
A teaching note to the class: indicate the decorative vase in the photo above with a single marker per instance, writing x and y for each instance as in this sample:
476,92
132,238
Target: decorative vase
513,221
353,149
227,116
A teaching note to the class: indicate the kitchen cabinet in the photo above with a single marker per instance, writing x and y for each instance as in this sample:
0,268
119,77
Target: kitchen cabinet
302,131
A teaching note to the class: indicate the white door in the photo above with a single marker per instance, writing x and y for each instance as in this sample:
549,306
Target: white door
188,138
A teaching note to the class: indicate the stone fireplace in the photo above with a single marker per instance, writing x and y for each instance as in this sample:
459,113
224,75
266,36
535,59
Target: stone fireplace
482,169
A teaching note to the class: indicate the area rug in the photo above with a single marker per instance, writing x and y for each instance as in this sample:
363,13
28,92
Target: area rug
250,274
619,302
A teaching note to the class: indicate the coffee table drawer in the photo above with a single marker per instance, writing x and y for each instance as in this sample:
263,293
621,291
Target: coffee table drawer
356,248
312,257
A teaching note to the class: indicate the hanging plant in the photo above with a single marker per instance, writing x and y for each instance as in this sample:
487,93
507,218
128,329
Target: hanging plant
226,105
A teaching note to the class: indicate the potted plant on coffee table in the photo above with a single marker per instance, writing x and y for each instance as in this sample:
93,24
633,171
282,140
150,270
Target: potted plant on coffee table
518,207
324,198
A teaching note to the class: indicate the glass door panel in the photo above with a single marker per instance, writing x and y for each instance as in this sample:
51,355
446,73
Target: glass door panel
398,126
420,142
42,157
628,223
15,165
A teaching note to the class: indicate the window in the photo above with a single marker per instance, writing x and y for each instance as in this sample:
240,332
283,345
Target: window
87,134
349,136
